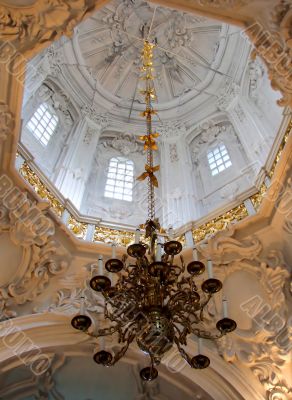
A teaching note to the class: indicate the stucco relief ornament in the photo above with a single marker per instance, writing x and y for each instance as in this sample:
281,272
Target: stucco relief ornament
100,119
224,248
210,131
39,266
256,73
171,129
227,95
125,144
6,121
173,152
265,346
282,20
279,393
41,22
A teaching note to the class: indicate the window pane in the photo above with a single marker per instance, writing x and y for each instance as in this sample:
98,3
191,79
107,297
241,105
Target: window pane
218,159
43,124
120,179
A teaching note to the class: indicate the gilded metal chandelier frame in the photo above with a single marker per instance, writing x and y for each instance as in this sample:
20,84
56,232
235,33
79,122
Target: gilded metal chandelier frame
154,301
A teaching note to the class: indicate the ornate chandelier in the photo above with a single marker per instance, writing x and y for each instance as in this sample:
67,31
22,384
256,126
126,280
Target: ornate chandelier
154,302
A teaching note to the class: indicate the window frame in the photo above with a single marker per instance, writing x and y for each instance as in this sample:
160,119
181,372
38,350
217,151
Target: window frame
120,179
219,159
43,124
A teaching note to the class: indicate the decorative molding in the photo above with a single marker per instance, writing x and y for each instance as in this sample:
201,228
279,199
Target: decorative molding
108,235
210,131
263,348
173,153
173,30
41,256
124,144
6,121
255,73
282,20
239,112
227,95
31,177
173,129
100,119
275,50
89,135
24,28
220,223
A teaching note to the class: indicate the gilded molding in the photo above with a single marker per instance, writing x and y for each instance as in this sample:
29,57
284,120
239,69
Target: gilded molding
281,148
108,235
257,198
124,238
220,223
40,188
78,228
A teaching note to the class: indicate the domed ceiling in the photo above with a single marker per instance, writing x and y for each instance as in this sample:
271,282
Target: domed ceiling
187,46
208,94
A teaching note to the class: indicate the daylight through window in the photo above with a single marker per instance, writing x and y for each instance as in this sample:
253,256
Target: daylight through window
120,177
43,124
219,159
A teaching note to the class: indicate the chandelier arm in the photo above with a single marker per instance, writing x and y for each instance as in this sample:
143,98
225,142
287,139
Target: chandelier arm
206,335
182,263
194,315
122,351
173,269
182,334
175,296
103,332
128,329
182,352
184,322
203,306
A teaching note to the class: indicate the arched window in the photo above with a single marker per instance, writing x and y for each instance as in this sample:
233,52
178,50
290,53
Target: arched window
43,124
120,178
218,159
